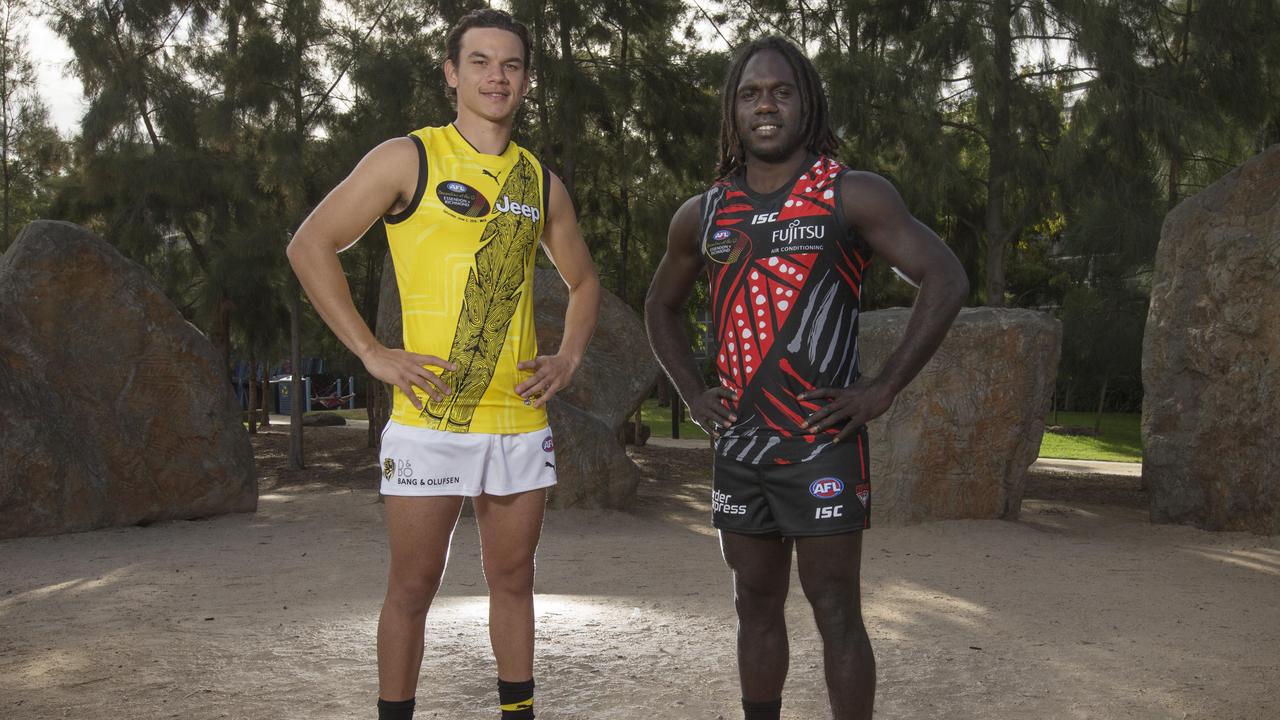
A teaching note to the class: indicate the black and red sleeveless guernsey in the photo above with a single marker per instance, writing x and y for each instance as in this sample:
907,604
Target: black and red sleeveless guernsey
786,278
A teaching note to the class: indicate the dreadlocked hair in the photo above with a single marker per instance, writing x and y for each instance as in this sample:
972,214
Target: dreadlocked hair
817,134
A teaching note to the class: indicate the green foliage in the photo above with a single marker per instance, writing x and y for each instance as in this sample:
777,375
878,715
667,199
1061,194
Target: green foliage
1043,140
1120,439
31,153
659,421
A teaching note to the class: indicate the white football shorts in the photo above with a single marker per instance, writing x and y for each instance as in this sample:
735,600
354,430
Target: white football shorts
422,461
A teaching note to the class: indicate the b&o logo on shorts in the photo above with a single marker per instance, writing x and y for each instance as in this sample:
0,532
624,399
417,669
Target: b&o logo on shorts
388,468
726,245
462,199
548,444
826,488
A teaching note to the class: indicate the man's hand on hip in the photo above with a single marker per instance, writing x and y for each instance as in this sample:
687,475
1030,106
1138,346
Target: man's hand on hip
711,412
551,374
407,370
852,407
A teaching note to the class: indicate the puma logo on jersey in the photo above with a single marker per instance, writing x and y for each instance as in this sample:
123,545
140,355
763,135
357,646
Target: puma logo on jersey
506,204
486,172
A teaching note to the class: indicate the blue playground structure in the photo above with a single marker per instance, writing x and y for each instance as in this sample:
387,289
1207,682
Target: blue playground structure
340,393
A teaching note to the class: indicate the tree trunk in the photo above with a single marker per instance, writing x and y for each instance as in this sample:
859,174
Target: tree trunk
264,397
1102,402
296,388
252,402
624,179
568,120
540,62
377,409
221,335
664,392
6,95
1000,146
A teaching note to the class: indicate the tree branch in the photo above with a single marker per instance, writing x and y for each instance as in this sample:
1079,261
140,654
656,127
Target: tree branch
966,127
338,78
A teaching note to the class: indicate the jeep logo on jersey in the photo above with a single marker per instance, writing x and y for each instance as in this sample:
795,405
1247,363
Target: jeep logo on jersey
462,199
826,488
506,204
726,246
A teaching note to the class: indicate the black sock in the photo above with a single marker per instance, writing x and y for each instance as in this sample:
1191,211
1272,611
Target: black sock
395,709
769,710
516,699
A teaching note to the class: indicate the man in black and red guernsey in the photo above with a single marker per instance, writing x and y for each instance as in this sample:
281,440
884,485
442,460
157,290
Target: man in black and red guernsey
785,237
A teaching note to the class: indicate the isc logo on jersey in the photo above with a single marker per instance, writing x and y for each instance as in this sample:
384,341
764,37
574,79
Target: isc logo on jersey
506,204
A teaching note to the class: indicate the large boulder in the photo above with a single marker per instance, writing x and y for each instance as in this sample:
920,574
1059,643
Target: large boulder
1211,357
619,368
113,409
617,371
959,439
616,374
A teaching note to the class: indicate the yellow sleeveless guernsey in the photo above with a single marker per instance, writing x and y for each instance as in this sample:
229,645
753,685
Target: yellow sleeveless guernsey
463,252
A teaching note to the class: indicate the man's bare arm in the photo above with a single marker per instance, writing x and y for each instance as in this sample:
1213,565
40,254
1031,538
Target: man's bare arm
563,243
875,210
374,188
672,284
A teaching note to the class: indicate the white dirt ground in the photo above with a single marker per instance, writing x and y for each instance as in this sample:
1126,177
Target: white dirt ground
1077,610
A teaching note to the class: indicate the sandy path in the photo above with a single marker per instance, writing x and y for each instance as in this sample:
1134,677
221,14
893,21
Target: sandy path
1076,611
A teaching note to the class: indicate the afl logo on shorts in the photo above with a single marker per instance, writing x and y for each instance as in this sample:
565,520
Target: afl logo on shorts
726,245
462,198
388,468
548,444
826,488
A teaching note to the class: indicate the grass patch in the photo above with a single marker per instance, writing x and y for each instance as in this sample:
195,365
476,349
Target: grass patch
1120,439
659,421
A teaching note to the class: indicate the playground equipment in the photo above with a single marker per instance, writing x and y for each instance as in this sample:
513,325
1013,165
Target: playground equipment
333,399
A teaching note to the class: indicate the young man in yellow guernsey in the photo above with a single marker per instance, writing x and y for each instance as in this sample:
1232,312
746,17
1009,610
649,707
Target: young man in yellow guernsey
465,209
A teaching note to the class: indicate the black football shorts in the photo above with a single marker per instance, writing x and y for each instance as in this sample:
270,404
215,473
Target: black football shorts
826,495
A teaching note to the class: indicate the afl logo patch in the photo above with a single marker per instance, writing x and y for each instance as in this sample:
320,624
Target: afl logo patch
462,198
548,445
826,488
726,245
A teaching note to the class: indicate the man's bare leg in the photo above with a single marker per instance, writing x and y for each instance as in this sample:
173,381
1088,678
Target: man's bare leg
830,568
419,530
510,526
761,566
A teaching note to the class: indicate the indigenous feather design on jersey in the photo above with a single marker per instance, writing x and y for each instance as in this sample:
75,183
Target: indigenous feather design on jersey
786,278
493,291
